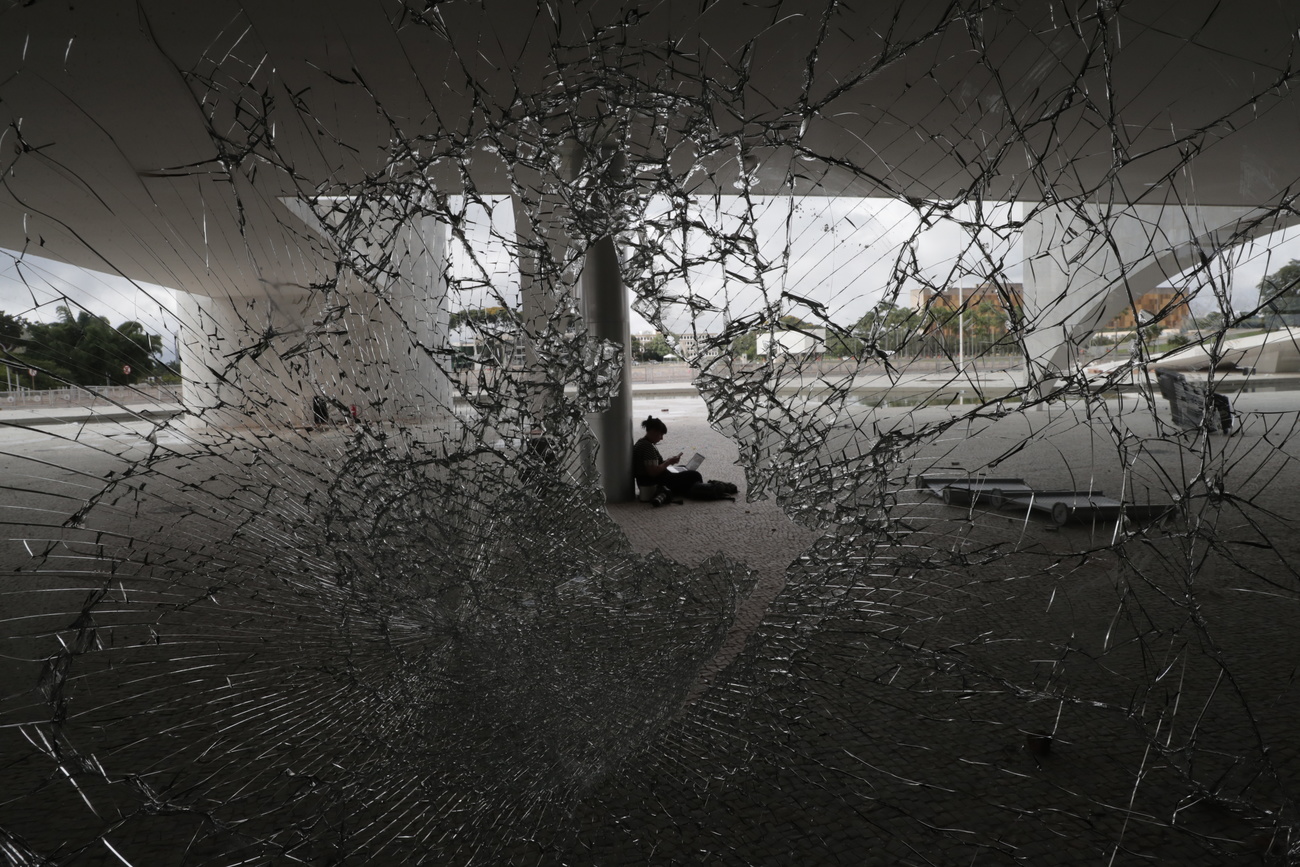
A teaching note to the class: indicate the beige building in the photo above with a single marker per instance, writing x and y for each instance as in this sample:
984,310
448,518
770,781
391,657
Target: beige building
1169,307
970,296
689,345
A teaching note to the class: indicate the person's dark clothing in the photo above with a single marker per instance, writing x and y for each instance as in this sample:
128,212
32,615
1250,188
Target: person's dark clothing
644,452
680,482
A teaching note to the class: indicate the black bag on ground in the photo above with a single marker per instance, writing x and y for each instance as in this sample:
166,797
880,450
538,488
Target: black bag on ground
712,490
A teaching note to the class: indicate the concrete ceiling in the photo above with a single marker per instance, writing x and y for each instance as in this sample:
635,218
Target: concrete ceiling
156,139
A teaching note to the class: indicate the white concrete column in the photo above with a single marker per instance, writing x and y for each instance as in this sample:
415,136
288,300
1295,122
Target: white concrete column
603,299
544,252
605,309
377,335
237,361
1085,263
393,333
261,360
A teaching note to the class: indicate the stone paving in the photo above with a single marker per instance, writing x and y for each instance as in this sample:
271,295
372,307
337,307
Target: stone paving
885,700
757,534
890,709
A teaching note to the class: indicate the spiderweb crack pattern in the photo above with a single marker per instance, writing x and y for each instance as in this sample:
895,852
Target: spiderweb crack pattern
362,598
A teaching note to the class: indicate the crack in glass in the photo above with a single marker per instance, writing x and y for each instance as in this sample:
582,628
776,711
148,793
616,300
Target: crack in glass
342,581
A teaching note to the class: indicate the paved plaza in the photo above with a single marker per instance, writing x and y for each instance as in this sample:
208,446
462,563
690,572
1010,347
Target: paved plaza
921,673
940,684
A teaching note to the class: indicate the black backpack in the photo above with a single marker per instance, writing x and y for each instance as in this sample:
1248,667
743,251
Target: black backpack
713,490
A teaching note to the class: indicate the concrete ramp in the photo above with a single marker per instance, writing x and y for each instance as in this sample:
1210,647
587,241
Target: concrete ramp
1270,352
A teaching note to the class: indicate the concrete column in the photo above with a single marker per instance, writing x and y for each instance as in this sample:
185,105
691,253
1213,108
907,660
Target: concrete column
1085,263
543,250
605,308
262,360
377,335
603,299
238,362
398,330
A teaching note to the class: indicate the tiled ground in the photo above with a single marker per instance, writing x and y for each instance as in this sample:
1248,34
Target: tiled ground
872,701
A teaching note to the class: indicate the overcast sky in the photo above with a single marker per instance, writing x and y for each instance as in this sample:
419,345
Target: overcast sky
841,252
838,252
34,288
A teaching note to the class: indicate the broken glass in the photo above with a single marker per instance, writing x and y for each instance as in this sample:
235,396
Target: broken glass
348,581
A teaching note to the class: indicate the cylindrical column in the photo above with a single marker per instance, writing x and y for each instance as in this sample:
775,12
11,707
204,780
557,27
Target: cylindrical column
605,309
542,248
373,336
602,296
234,359
295,358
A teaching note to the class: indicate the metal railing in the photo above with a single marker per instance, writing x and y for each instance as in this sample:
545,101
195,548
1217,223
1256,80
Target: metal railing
93,395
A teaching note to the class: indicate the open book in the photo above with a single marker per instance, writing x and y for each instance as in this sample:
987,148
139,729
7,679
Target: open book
692,464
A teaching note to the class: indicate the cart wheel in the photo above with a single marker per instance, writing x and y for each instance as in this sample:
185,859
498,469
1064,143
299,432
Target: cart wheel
947,495
1061,514
997,498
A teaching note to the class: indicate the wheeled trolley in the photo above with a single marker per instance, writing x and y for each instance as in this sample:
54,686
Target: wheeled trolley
1062,507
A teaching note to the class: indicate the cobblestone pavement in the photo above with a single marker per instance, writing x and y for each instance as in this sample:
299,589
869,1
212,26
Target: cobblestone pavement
757,534
972,687
894,703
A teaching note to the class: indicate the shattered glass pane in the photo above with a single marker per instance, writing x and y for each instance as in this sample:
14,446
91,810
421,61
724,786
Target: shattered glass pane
324,359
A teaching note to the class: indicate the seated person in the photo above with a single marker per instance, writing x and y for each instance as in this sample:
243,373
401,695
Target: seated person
649,467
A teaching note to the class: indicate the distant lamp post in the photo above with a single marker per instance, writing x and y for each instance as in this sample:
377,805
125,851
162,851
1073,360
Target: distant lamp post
829,228
1143,320
961,330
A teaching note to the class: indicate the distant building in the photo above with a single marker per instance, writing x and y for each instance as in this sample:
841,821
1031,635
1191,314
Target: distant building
809,341
970,296
1165,307
691,345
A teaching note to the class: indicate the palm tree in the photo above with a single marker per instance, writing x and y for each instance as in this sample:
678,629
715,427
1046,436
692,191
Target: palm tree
86,350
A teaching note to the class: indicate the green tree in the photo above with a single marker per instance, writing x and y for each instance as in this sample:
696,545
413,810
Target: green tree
985,323
86,350
11,330
1279,294
653,349
887,326
840,345
11,342
745,346
1282,283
